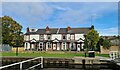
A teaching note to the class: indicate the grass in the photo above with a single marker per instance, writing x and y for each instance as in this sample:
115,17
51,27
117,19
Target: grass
49,54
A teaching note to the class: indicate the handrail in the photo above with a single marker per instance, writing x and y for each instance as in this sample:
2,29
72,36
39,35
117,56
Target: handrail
23,62
33,66
9,65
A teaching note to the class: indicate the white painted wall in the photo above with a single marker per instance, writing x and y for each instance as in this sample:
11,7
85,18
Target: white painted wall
45,37
58,36
82,45
28,45
36,37
78,36
68,36
32,46
26,37
58,46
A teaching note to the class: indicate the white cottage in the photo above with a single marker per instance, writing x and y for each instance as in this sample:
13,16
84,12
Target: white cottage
55,39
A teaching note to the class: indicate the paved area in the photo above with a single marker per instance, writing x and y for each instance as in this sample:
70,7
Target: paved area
88,60
117,61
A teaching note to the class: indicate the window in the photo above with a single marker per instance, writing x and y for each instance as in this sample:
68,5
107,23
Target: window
32,30
48,37
49,45
64,37
68,36
41,37
41,45
64,45
72,45
72,37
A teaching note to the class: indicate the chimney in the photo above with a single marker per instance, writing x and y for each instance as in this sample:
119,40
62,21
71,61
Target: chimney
92,27
47,29
68,28
27,29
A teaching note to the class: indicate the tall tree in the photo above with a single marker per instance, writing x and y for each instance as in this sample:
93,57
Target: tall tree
0,31
11,30
106,44
99,43
93,37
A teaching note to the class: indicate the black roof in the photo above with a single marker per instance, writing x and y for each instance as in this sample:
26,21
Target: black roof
41,31
61,31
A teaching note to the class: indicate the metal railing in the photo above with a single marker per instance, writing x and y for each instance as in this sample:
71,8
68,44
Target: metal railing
114,54
21,64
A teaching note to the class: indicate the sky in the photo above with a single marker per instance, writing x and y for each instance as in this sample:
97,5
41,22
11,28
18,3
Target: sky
103,15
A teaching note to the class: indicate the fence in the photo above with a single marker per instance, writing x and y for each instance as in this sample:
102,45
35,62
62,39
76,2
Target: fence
5,47
21,64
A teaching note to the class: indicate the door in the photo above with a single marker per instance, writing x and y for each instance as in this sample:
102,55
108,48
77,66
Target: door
54,46
78,47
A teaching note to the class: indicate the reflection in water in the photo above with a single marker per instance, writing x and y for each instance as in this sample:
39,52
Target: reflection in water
67,66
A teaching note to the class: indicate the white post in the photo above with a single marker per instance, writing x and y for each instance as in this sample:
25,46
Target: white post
41,62
20,65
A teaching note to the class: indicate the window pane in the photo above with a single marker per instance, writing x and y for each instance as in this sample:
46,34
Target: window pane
40,46
64,37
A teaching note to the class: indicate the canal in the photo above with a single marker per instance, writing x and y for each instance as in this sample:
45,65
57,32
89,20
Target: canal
59,64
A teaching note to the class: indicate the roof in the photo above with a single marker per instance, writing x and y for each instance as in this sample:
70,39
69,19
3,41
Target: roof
80,30
61,31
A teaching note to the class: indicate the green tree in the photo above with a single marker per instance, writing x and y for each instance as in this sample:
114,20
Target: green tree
85,43
106,44
92,37
100,42
11,30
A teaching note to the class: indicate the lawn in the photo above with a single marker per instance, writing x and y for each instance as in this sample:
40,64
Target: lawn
49,54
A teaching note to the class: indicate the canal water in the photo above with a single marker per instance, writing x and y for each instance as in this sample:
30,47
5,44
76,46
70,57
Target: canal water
63,66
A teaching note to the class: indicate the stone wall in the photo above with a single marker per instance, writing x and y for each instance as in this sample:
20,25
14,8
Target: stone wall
20,49
112,48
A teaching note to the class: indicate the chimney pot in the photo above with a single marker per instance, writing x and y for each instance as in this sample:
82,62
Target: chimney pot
27,30
47,28
68,28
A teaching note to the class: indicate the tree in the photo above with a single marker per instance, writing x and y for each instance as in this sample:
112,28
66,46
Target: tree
10,31
85,43
92,37
106,44
0,31
100,42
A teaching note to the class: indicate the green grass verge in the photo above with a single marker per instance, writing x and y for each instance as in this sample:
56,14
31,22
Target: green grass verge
47,54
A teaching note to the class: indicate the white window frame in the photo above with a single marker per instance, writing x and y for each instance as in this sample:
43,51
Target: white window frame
64,45
41,44
48,36
72,37
49,44
41,37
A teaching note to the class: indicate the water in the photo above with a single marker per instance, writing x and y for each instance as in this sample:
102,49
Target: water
67,66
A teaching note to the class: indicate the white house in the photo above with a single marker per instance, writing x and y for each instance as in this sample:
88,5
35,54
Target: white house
55,39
